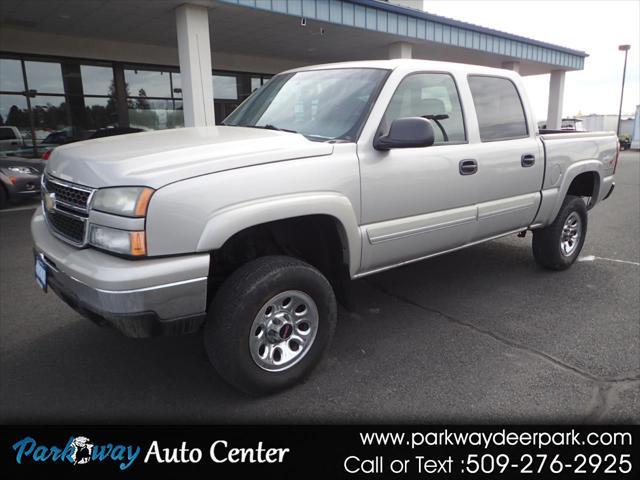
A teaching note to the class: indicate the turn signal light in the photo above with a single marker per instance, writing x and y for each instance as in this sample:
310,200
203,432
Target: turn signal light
138,243
143,202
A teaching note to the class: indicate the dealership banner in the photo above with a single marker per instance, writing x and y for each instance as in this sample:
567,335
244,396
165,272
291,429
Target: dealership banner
324,451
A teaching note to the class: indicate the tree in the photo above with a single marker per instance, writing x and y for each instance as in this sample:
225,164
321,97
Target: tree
142,103
18,117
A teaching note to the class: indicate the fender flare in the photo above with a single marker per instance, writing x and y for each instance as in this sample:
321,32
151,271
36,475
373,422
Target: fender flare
585,166
226,222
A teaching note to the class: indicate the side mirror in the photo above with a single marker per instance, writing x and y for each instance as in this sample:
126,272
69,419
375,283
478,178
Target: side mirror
410,132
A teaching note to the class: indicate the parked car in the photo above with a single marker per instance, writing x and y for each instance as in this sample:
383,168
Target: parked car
326,174
10,138
19,179
625,141
28,152
62,137
59,137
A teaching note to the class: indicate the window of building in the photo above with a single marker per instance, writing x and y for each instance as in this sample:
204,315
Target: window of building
256,83
11,79
72,98
433,96
45,77
147,83
13,102
225,87
154,98
49,107
498,108
97,80
99,99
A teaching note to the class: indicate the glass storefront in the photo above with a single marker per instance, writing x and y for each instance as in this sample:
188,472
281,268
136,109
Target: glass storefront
154,98
63,100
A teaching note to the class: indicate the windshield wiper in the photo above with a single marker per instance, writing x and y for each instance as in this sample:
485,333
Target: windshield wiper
270,126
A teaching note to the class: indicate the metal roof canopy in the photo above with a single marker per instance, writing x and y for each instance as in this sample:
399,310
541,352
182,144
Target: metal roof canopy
431,36
354,29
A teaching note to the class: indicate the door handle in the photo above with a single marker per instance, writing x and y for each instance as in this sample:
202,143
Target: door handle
468,166
527,160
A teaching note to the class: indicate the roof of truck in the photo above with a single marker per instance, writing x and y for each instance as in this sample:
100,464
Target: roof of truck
410,64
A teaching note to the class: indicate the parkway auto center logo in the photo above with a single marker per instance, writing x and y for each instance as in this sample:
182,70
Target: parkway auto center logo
78,450
81,450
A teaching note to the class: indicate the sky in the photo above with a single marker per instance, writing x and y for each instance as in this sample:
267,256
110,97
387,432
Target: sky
595,27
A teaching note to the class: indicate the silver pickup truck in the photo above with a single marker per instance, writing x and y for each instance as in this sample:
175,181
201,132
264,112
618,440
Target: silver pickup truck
326,174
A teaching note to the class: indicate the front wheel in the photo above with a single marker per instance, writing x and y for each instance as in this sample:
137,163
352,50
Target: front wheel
558,245
269,324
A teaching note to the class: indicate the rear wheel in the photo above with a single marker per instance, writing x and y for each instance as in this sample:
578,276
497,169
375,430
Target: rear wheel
558,245
269,324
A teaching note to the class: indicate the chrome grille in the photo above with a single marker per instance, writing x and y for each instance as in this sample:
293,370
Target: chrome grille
67,194
66,209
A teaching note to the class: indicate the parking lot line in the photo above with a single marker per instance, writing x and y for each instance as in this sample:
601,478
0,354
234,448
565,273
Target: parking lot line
591,258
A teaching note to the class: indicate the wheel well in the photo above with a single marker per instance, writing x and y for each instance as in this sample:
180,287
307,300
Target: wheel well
585,185
319,240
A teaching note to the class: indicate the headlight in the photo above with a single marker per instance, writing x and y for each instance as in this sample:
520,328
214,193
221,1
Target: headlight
118,241
23,170
126,201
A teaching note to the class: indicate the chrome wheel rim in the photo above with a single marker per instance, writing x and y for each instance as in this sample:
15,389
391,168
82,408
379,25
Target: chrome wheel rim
283,330
571,232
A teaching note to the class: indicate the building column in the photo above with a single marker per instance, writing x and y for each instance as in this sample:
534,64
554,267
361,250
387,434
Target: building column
556,96
400,50
515,66
194,52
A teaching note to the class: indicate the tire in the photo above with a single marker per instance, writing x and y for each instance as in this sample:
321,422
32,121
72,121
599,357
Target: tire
558,245
242,336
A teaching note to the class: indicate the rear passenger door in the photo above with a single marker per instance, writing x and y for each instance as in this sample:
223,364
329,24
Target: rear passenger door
509,155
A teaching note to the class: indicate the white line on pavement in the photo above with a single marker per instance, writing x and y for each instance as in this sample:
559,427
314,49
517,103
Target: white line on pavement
591,258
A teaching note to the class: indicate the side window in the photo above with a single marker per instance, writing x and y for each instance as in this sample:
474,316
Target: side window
433,96
7,134
498,107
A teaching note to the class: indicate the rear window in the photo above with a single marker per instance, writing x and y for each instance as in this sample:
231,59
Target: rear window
498,107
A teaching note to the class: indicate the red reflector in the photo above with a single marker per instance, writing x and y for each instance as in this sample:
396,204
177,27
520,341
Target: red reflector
47,154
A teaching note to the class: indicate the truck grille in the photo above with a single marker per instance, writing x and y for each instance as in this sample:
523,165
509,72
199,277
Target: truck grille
66,209
69,227
73,196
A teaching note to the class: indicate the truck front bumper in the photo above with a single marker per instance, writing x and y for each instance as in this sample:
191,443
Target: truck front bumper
140,298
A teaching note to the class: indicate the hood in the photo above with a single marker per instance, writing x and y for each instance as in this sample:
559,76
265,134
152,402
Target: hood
155,159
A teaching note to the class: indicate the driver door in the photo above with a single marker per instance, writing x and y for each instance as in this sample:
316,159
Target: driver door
417,201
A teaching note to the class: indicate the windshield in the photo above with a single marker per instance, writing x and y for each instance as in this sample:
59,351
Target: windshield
320,104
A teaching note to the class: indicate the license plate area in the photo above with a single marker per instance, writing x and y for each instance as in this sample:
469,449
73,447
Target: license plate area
41,273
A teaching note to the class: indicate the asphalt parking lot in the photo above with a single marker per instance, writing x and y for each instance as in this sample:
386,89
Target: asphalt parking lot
480,335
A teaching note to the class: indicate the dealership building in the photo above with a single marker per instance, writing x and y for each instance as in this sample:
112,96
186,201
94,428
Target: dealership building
79,65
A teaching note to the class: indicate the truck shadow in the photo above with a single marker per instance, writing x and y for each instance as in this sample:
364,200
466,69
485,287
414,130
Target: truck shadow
81,373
